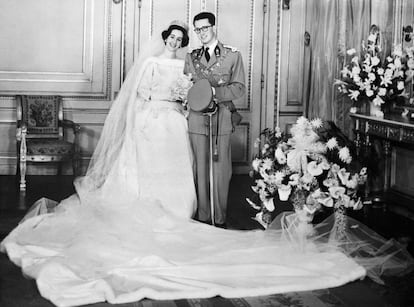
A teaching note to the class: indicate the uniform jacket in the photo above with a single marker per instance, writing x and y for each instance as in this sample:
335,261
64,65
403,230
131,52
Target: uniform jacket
225,72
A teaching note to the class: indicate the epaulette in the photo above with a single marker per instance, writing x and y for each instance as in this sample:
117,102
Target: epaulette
196,51
233,49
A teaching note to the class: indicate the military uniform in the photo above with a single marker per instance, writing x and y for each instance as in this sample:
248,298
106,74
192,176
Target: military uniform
225,73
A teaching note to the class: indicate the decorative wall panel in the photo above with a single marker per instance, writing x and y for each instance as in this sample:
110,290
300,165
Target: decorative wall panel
55,46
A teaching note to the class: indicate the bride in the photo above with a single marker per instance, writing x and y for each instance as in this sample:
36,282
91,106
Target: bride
127,233
144,151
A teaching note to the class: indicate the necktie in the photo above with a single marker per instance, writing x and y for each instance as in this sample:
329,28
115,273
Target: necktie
207,54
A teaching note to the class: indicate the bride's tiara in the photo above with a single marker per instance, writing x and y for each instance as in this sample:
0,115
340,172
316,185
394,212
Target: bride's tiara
179,23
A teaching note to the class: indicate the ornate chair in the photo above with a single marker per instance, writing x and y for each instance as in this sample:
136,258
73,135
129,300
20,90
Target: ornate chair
40,134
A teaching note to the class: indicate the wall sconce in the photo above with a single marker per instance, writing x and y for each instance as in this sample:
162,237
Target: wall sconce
286,4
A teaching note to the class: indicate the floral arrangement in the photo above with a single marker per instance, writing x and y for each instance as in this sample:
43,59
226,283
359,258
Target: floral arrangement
310,169
375,77
180,90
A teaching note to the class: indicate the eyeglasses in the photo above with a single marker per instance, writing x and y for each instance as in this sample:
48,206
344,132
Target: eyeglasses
202,29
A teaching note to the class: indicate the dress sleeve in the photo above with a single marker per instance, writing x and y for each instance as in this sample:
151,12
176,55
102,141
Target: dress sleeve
146,81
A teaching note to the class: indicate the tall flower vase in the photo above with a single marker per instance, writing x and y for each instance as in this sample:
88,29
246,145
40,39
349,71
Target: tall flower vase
338,232
375,110
303,225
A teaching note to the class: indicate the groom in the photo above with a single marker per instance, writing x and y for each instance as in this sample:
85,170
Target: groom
222,66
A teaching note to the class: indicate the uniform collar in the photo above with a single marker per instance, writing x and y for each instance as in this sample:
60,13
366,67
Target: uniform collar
212,46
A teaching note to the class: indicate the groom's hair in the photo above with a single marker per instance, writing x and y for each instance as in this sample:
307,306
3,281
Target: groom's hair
205,15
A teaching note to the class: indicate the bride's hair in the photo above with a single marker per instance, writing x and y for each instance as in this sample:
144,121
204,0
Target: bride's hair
181,28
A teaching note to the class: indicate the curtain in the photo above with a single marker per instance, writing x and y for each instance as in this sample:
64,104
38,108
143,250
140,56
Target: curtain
336,25
322,55
356,15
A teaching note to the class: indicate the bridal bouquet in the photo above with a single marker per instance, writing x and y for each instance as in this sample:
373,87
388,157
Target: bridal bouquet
180,90
374,77
310,169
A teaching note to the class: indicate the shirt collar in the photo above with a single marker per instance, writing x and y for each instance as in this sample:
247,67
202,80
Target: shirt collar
212,46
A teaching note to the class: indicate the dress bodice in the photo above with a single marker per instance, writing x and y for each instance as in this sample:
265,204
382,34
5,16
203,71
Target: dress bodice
159,78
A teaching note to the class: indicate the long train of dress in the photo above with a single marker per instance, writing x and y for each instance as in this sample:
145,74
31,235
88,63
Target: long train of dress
89,253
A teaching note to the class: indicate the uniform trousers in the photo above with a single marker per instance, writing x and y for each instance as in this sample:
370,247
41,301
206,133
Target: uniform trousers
222,170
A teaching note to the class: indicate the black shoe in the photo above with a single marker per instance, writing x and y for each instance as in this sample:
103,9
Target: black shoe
205,222
224,226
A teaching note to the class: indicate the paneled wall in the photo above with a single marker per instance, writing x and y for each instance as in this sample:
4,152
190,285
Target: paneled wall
70,48
83,49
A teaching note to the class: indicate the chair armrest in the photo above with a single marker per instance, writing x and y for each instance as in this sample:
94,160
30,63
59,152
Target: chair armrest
66,123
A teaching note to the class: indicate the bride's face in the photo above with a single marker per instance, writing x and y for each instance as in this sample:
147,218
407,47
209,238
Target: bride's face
174,40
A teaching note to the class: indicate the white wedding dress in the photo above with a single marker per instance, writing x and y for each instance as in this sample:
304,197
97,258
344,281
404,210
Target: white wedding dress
156,159
131,236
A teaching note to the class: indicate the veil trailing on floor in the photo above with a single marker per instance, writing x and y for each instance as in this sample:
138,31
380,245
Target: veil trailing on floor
379,256
118,124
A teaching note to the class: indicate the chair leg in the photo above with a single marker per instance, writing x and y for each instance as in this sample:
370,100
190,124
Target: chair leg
22,174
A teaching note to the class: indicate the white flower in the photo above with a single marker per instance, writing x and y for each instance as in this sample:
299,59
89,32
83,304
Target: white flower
380,71
294,179
260,184
355,60
330,182
256,143
400,85
343,175
307,178
353,110
278,132
398,50
314,168
336,192
382,91
397,63
369,93
345,201
332,143
256,163
378,101
327,202
356,205
356,71
372,38
386,79
278,177
317,123
257,207
325,165
344,154
280,156
351,51
375,61
354,94
268,203
410,63
353,182
335,168
267,163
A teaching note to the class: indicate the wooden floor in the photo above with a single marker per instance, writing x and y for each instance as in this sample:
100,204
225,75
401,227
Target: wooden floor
15,290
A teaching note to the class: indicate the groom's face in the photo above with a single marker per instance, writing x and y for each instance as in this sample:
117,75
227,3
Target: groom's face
205,31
